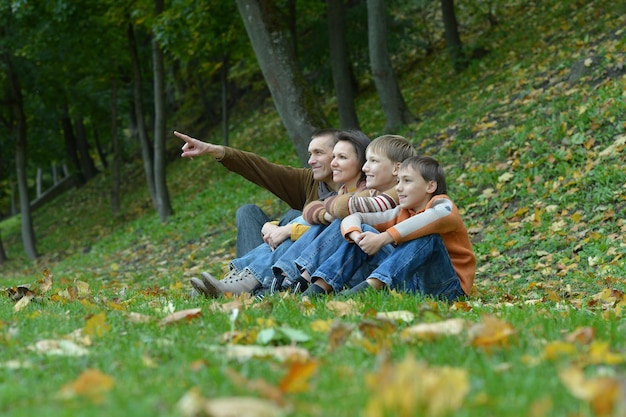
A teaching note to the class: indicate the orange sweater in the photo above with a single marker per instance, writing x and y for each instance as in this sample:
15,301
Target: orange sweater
440,216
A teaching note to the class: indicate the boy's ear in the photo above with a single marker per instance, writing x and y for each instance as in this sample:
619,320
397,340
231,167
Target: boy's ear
432,187
396,168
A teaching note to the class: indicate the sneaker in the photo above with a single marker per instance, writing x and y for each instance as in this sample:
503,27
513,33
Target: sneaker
360,287
314,291
201,288
298,285
261,292
244,282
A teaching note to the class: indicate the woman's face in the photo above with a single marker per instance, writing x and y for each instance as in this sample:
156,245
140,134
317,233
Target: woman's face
345,164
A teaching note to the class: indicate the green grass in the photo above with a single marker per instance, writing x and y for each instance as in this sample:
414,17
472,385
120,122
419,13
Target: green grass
533,161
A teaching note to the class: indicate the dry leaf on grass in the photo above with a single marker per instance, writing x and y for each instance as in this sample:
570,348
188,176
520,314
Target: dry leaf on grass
430,331
186,315
582,335
19,291
134,317
244,353
297,378
339,333
193,404
45,283
603,393
91,384
492,332
410,388
23,302
58,347
400,315
344,308
96,325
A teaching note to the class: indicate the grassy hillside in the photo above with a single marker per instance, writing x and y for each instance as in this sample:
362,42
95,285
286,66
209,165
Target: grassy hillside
532,137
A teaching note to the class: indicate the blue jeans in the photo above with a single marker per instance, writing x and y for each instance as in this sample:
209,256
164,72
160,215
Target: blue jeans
348,264
250,220
259,260
421,265
322,248
284,266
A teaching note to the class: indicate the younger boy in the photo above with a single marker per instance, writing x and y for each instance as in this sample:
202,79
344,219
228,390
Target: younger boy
433,253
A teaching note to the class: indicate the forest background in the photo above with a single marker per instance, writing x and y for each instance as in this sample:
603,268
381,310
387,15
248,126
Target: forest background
527,116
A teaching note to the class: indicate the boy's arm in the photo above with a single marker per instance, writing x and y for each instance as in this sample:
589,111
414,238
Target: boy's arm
366,201
380,221
349,224
438,218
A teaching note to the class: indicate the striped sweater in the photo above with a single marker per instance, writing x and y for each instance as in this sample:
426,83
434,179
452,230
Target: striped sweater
440,216
343,204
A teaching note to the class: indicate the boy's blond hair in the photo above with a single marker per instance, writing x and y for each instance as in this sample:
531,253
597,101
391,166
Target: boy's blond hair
395,147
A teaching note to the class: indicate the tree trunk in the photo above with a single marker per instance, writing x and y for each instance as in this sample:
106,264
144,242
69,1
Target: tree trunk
86,161
13,199
224,82
142,131
394,106
3,254
340,64
116,204
164,206
38,184
17,105
297,106
101,153
292,7
70,146
451,34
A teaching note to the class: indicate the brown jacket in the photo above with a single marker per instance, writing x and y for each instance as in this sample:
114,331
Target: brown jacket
294,186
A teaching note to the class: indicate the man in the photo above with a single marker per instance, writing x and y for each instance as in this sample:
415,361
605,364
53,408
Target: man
294,186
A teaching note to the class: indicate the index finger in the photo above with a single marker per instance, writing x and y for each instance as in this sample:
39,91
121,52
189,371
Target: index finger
182,136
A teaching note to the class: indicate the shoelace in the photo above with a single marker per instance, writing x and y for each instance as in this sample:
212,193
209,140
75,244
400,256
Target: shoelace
299,285
263,291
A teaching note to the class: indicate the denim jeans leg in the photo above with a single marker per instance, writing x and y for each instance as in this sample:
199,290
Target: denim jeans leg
421,264
250,220
349,265
320,249
284,265
259,261
290,215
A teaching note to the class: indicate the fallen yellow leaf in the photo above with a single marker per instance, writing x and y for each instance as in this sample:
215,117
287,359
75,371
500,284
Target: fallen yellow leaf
297,378
186,315
91,384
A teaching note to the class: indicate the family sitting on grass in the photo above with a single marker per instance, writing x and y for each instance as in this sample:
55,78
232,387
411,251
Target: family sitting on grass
364,216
